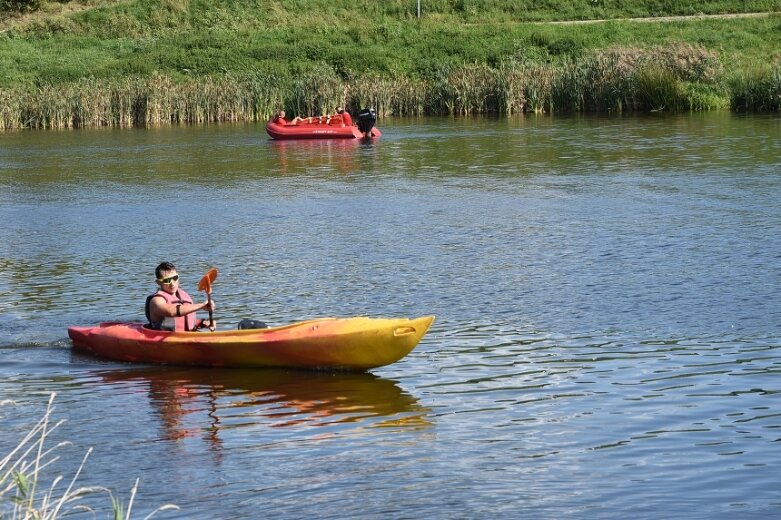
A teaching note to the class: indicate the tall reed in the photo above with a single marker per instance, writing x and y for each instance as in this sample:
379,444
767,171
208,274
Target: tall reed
538,80
469,89
592,84
510,88
22,474
656,88
388,95
758,90
317,91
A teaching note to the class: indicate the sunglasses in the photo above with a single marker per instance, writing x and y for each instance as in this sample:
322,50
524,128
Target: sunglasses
169,280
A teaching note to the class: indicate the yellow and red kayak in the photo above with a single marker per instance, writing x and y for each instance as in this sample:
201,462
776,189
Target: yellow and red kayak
357,343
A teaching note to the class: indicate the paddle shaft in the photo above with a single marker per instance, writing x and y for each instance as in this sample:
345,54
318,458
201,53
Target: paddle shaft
209,296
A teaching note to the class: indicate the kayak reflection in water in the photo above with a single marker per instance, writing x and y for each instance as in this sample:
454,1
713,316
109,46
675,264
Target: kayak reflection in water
216,405
171,308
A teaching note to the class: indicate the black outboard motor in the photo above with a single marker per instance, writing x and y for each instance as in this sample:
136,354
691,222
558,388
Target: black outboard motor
366,120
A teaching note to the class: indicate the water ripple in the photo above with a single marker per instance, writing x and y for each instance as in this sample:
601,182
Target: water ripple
606,291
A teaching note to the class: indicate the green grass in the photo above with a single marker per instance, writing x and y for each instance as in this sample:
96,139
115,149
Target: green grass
62,57
199,37
192,42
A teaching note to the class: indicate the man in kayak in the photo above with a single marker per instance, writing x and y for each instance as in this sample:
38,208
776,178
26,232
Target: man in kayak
171,308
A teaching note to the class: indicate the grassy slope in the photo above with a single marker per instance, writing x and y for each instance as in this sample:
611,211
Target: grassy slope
108,39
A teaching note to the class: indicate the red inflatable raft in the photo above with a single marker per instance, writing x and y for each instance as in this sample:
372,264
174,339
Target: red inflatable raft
317,131
326,128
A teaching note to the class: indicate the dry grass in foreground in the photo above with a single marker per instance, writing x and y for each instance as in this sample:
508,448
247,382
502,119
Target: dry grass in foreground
21,474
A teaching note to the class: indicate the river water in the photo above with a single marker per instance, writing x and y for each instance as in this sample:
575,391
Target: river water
607,293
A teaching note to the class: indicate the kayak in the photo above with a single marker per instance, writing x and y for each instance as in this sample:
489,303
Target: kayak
358,343
317,130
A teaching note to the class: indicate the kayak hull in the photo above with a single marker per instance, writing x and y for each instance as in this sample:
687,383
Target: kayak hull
316,131
358,343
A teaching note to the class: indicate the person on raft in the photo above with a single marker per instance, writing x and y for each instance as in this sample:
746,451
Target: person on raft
346,119
279,119
171,308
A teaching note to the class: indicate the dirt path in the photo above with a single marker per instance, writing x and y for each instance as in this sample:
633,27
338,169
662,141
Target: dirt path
52,10
667,18
19,22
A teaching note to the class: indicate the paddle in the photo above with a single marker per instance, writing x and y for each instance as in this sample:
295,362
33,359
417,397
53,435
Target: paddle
206,285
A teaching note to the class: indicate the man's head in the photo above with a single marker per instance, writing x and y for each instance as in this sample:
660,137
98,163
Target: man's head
166,276
339,110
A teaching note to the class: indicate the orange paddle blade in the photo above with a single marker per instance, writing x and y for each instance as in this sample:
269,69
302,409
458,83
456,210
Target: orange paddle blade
206,282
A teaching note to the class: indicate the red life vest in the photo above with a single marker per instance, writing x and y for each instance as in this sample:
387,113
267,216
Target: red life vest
176,323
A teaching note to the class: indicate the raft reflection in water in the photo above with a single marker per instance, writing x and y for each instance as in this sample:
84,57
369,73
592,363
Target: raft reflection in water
212,402
318,157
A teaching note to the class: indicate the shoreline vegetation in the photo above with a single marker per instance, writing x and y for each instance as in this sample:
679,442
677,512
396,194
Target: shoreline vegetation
103,63
23,494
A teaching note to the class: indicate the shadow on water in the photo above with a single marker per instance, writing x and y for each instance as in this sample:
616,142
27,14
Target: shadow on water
210,403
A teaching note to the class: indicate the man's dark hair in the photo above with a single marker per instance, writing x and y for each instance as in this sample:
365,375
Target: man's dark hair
165,266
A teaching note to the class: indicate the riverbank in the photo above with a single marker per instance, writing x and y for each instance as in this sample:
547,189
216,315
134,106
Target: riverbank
143,63
673,78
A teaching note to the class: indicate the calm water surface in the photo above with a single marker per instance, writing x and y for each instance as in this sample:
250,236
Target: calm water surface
607,292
